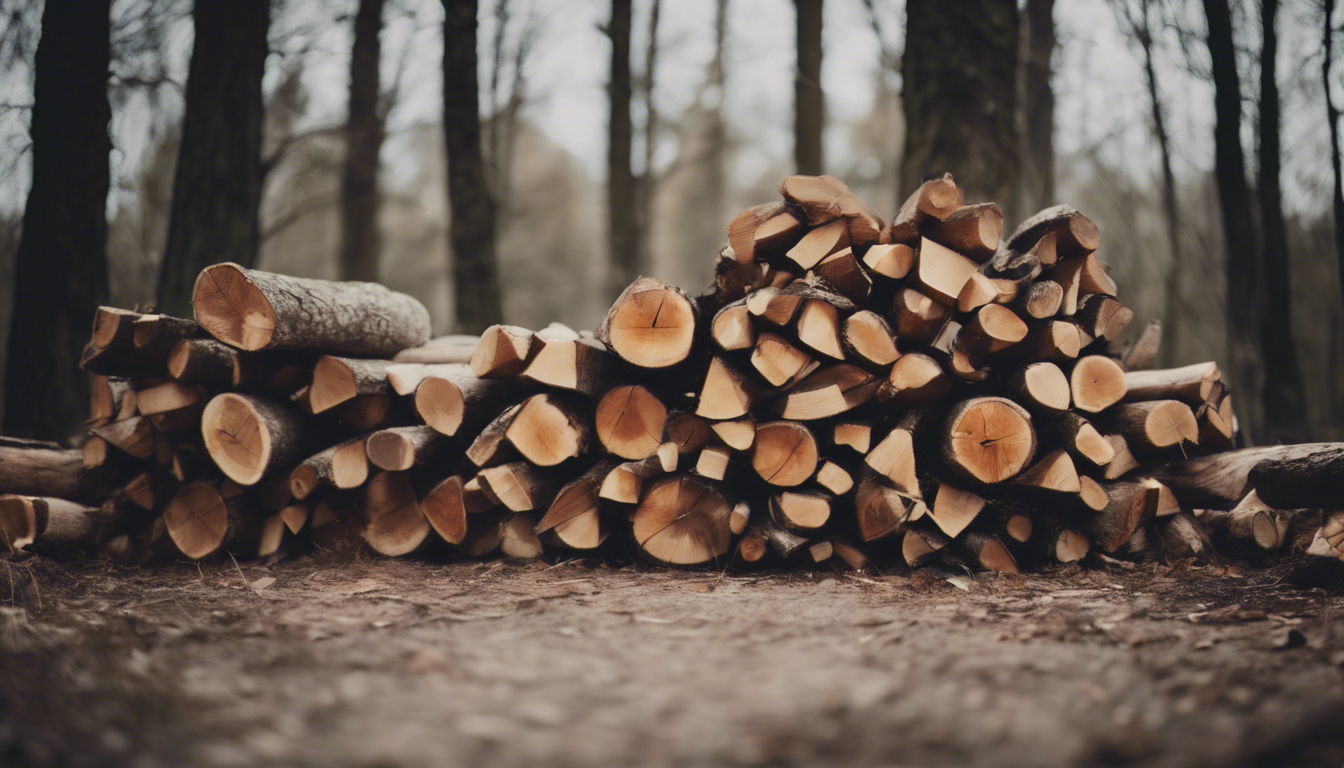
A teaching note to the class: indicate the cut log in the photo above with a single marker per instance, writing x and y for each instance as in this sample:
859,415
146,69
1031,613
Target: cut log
399,448
768,229
779,362
978,291
1040,386
894,456
1039,300
1055,472
1313,479
133,436
738,435
581,365
252,310
445,508
575,517
935,199
940,273
818,327
1192,384
855,435
520,486
987,439
1128,504
893,261
724,393
688,432
452,401
916,551
785,453
914,378
918,317
169,396
1055,341
1075,234
249,437
1070,546
455,349
1217,425
154,335
1078,436
834,478
52,525
953,509
1329,538
650,325
1143,355
713,462
1097,383
1123,461
879,509
110,399
992,329
39,468
803,513
394,524
843,272
739,517
1155,424
732,328
344,465
987,552
518,537
624,483
339,379
477,497
502,352
1092,493
629,421
683,521
201,521
829,392
823,198
971,230
819,243
547,430
1102,317
365,413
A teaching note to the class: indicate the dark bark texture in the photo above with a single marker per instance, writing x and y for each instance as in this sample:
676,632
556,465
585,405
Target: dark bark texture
60,273
475,269
959,73
1332,115
361,241
809,108
217,182
1037,108
622,201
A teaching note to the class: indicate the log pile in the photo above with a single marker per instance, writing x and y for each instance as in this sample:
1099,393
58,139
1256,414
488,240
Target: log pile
850,390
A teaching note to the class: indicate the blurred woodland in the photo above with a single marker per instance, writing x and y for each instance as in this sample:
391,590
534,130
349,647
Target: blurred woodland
522,160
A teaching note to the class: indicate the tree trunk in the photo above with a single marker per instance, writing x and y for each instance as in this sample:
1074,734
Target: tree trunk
361,241
959,70
717,135
622,201
1036,107
218,180
1284,399
1332,115
60,273
809,107
475,270
1239,233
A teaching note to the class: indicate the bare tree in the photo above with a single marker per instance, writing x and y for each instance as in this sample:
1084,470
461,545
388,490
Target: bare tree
622,202
1284,399
361,242
715,187
809,101
475,269
1239,232
61,266
1036,105
959,75
1332,115
217,183
647,181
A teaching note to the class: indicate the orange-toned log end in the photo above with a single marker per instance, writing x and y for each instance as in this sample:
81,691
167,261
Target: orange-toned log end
785,453
231,308
630,421
443,506
683,521
196,519
18,522
989,438
651,325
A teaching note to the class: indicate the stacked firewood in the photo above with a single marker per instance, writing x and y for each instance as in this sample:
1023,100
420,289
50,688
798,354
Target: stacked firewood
852,390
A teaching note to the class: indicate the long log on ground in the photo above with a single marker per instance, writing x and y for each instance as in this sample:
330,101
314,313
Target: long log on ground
252,310
249,437
51,524
39,468
650,325
1314,479
683,521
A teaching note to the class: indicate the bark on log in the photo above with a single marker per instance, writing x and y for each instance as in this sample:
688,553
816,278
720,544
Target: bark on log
39,468
1299,480
250,437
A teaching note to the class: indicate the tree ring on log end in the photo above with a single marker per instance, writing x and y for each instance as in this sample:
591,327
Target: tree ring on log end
682,522
653,328
630,422
440,403
18,522
992,439
236,438
232,309
197,520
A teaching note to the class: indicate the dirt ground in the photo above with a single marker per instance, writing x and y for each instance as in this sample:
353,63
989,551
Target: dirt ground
359,662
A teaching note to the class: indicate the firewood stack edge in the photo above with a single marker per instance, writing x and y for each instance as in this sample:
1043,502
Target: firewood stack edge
850,391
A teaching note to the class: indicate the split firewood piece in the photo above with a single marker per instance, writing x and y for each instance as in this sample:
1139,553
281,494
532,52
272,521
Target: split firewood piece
404,378
830,391
399,448
953,508
477,497
1068,275
40,468
1156,423
992,329
1314,479
452,400
988,439
683,521
935,199
252,310
169,396
818,326
733,280
987,552
1015,521
819,243
1039,300
1055,341
502,352
972,230
1163,502
1102,317
456,349
273,534
785,544
110,399
1070,546
630,421
732,328
916,550
344,465
713,462
914,378
892,261
918,317
1079,437
200,521
1094,277
739,517
1097,382
519,538
1123,461
752,546
578,364
1143,355
337,523
1193,384
485,533
444,507
941,273
894,456
204,361
1329,538
154,335
879,509
575,516
779,362
773,305
134,436
111,343
1075,234
869,340
1039,386
823,198
978,291
1129,503
249,437
843,272
1217,425
624,483
855,435
1055,472
1092,494
738,435
650,325
762,231
688,432
835,478
1251,521
520,486
724,394
339,379
801,512
785,453
394,524
547,430
54,525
